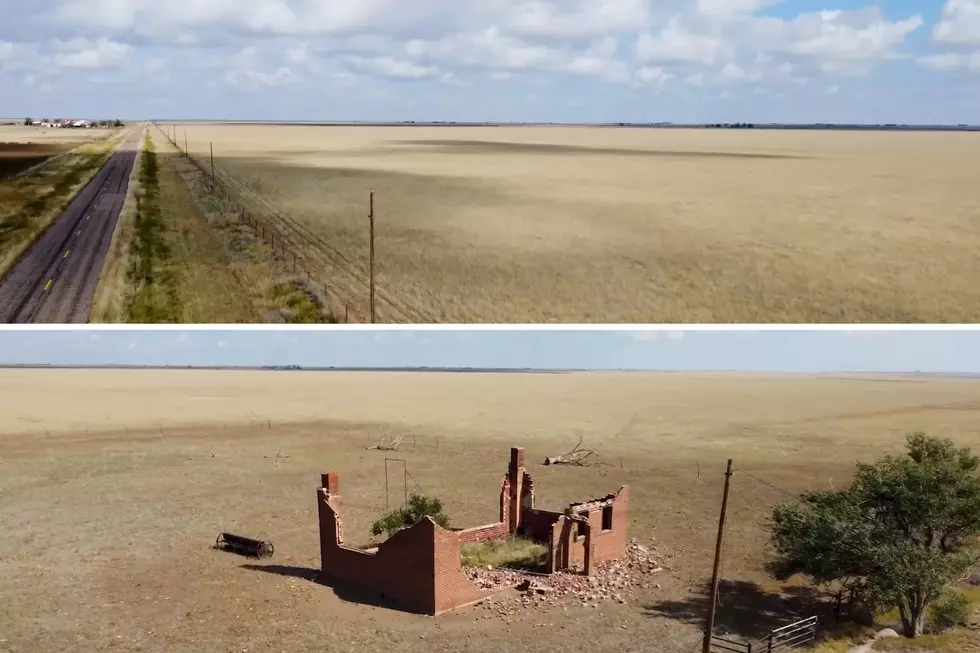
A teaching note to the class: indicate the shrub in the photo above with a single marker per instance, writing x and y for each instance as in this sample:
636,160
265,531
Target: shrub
953,609
418,508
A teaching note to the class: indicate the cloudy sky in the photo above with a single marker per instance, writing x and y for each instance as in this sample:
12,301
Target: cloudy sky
551,60
777,351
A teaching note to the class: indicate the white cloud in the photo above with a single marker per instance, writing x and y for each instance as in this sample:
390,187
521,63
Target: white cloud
675,43
655,76
81,53
645,336
539,48
726,9
829,36
390,67
959,23
952,61
571,19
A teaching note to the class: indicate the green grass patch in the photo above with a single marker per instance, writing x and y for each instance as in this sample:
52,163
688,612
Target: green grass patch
298,305
155,299
513,553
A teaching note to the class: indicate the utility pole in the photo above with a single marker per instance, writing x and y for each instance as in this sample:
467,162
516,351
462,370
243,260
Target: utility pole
212,163
709,626
371,263
185,143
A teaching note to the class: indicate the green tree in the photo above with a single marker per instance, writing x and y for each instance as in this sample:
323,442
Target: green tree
899,535
418,508
28,122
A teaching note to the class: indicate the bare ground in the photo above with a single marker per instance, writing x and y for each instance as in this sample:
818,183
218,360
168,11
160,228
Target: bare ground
114,484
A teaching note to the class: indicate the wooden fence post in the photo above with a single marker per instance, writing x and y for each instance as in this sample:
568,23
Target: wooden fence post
371,263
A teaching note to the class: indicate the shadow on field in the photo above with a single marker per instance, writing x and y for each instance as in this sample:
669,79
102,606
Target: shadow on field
744,609
17,157
344,592
504,147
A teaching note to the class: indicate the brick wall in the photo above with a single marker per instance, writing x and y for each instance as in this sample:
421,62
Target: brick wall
606,545
536,524
401,569
452,588
418,567
486,533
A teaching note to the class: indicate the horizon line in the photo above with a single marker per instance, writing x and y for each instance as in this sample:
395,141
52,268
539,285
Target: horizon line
471,369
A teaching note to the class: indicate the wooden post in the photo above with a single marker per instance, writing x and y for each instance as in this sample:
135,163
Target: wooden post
371,262
185,143
212,162
709,626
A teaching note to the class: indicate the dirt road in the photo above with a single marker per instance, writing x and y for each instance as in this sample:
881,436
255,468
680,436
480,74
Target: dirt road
55,280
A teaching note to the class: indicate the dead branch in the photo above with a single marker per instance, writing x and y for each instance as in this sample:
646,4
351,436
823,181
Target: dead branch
389,445
577,456
276,457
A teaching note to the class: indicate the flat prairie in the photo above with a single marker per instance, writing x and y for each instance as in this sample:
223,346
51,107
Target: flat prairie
591,224
114,485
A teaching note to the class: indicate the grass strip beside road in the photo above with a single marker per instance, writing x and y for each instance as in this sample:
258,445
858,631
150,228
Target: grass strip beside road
166,266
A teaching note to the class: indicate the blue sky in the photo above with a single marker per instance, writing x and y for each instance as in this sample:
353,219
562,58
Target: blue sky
546,60
787,351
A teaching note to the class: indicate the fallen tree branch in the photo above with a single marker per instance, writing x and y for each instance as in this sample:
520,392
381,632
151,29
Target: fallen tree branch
391,445
577,456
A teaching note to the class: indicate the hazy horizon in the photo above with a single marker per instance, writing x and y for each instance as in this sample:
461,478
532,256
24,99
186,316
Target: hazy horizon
932,352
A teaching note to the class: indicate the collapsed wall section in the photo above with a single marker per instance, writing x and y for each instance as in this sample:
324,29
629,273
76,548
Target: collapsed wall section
418,567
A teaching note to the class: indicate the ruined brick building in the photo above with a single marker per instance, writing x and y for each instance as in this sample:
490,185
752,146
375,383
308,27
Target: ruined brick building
419,567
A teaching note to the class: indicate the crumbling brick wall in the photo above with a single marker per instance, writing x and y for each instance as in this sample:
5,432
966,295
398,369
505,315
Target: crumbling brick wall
417,567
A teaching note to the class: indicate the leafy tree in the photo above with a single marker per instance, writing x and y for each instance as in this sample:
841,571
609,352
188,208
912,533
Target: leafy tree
899,535
117,123
418,508
28,122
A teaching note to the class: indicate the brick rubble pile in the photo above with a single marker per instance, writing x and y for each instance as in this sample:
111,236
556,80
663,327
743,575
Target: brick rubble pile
612,581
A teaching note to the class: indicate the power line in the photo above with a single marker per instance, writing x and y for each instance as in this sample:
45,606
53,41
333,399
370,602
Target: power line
768,484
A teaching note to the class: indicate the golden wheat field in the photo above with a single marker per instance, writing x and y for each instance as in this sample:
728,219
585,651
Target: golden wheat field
114,484
589,224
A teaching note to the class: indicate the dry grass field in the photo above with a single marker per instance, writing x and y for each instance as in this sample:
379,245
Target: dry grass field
114,484
581,224
48,135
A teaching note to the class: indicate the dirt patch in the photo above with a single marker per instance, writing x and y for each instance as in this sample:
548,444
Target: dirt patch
18,157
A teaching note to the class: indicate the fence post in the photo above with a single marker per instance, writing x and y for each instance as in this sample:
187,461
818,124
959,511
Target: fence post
212,163
770,643
748,648
371,263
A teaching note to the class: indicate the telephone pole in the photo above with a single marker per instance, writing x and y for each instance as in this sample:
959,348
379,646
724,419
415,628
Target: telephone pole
709,626
371,257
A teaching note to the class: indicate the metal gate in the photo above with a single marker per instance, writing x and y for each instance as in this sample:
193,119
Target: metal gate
795,635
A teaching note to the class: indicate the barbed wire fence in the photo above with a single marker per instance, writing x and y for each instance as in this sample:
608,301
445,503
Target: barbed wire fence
346,309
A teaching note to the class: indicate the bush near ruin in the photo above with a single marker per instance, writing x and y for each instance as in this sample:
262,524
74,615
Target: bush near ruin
418,508
899,535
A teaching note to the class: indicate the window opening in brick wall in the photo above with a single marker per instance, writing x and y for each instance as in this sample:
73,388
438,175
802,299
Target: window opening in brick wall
607,513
